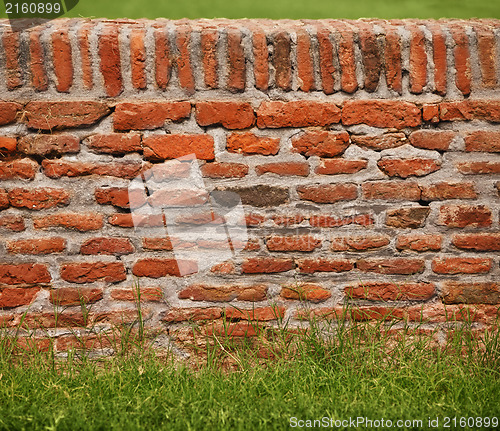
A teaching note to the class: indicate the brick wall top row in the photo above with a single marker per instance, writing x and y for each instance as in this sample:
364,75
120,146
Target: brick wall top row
446,58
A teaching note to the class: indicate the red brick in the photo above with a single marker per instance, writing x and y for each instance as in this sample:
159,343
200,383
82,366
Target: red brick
331,221
164,147
223,268
62,168
418,60
53,320
309,266
161,267
430,113
157,244
305,69
461,265
110,62
18,169
488,110
36,246
483,141
12,222
126,220
347,58
110,272
183,60
391,190
432,140
443,191
146,294
340,166
120,197
371,57
236,61
462,59
85,54
24,273
163,64
473,168
439,57
266,265
259,195
284,169
328,193
177,197
224,293
383,291
39,78
321,143
397,265
380,142
115,143
392,51
248,143
8,112
261,58
191,314
62,55
11,297
7,145
231,115
454,292
209,41
38,199
75,296
255,314
80,222
102,245
292,243
284,220
274,114
464,215
405,168
420,242
477,241
138,58
224,170
305,292
327,69
282,61
59,115
358,243
46,145
11,46
381,113
487,52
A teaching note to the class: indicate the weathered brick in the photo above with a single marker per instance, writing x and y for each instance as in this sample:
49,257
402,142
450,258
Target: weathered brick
347,57
63,168
8,145
75,296
405,168
462,59
47,145
137,220
62,57
276,114
464,215
477,168
148,294
231,115
161,267
488,141
266,265
309,266
11,46
12,222
236,60
255,314
439,56
391,190
432,140
164,147
257,196
370,55
488,110
396,265
327,69
248,143
163,63
430,113
292,243
104,245
332,221
384,291
380,142
191,314
261,58
477,241
36,246
413,217
455,292
381,113
224,170
38,199
418,60
284,169
83,42
120,197
392,51
328,193
115,143
305,68
80,222
110,61
183,59
110,272
24,273
148,115
340,166
38,71
486,51
138,58
306,292
209,40
443,190
321,143
358,243
461,265
224,293
419,242
282,61
4,199
18,169
9,112
11,297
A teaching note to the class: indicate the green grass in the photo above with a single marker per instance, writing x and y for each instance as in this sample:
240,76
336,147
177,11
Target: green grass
294,9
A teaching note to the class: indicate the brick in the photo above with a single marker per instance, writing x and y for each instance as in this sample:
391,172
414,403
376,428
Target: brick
39,79
4,199
309,266
48,145
418,60
255,314
224,293
249,143
80,222
165,147
432,140
11,46
8,145
284,220
75,296
340,166
327,69
282,61
486,50
430,113
439,56
483,141
140,220
347,58
383,291
224,170
331,221
477,241
161,267
397,265
183,60
62,57
305,69
231,115
391,190
83,42
462,59
477,168
36,246
24,273
454,292
138,58
18,169
223,268
236,61
38,199
488,110
381,113
257,196
464,216
209,41
63,168
419,242
372,64
443,190
11,297
115,143
392,51
328,193
191,314
146,294
157,244
306,292
274,114
148,115
261,58
177,197
9,112
65,114
266,265
284,169
104,245
321,143
405,168
110,61
12,222
110,272
380,142
163,63
461,265
292,243
358,243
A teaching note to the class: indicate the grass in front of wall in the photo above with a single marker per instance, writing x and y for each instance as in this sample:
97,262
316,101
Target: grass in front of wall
338,372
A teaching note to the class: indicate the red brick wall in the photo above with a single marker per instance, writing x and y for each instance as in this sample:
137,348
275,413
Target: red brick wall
365,154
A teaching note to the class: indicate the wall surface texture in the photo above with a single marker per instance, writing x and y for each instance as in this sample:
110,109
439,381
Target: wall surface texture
365,155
